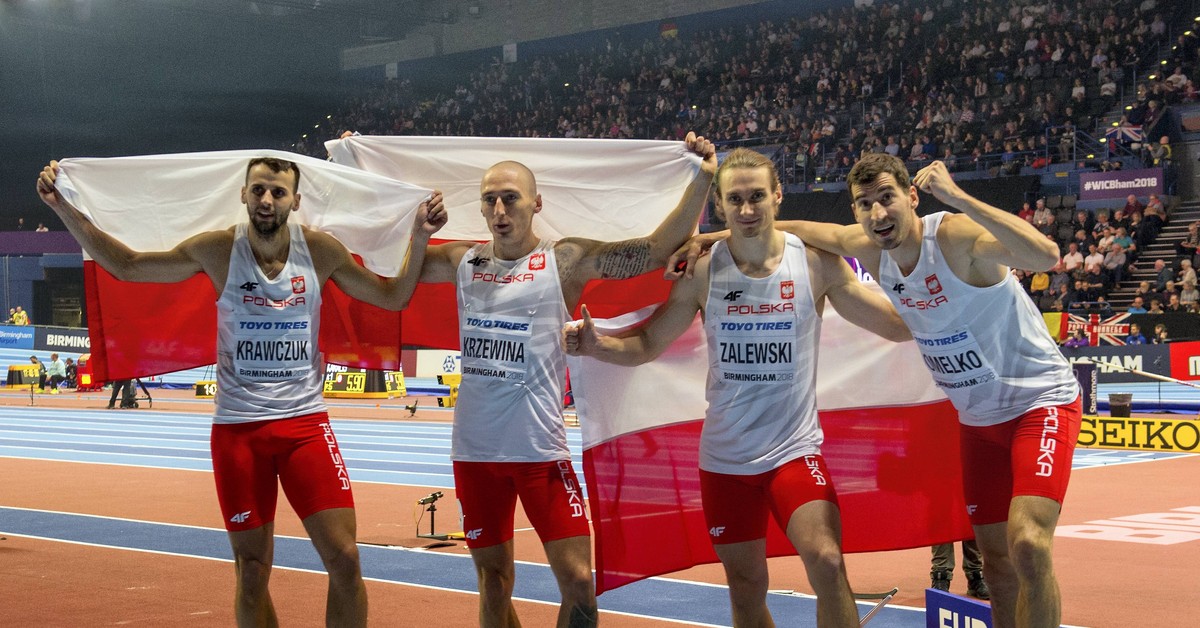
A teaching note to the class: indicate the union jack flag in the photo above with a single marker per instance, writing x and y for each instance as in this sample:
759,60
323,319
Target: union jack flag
1112,330
1125,134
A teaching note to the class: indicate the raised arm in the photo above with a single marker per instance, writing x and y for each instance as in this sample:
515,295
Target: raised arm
392,293
1003,237
855,301
644,343
200,253
582,260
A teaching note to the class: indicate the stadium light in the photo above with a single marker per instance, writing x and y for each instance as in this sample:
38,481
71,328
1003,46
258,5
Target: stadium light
1152,77
329,117
1091,156
566,84
1116,124
304,137
1102,140
1128,107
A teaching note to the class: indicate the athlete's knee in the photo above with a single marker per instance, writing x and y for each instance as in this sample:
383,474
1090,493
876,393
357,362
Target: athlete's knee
252,574
1030,551
823,562
343,562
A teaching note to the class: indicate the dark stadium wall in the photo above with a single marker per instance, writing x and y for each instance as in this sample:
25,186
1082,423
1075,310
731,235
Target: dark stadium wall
555,26
1007,193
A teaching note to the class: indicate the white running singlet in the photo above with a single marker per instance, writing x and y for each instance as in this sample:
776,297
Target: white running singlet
511,313
268,362
986,348
762,355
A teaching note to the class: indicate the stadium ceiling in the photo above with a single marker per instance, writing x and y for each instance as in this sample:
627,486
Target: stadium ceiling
339,22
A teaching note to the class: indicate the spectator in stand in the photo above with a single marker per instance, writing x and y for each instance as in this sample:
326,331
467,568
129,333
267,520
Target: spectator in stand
1174,304
1094,257
1095,283
1137,306
1026,212
1049,228
1186,272
1160,335
1135,336
20,317
1101,223
1039,283
1082,239
1133,205
12,311
1119,220
1155,306
20,224
41,228
1114,263
1145,291
1076,339
1041,214
1162,274
1154,217
1082,222
1188,247
1073,260
1189,294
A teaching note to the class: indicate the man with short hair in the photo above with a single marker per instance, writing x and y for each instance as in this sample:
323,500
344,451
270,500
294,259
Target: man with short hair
55,373
760,446
1013,389
20,317
509,440
271,425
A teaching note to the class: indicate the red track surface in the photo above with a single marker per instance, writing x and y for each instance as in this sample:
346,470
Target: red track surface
46,583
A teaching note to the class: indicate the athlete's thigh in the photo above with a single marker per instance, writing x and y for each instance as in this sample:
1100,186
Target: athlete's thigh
553,499
487,498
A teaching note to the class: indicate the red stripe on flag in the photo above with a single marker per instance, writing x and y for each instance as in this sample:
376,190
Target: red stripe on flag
901,463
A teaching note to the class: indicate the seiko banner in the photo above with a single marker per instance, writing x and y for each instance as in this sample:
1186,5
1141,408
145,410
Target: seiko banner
1111,361
16,337
65,339
1101,185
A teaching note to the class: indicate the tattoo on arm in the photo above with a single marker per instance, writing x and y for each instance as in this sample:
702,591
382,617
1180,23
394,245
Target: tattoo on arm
621,260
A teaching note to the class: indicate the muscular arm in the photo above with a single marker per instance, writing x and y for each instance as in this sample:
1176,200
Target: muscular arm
856,302
581,260
844,240
391,293
1001,237
199,253
646,342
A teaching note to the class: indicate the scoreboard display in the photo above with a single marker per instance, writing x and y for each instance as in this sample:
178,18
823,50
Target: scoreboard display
346,381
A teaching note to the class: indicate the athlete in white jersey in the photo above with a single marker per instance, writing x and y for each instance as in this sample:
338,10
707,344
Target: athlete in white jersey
514,294
761,298
949,277
270,427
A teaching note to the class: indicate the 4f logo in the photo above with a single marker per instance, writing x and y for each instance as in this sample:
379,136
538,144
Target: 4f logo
537,261
932,284
241,517
898,288
298,285
716,531
478,261
787,290
733,295
474,534
249,286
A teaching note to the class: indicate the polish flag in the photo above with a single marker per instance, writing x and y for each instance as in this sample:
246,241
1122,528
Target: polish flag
891,443
152,203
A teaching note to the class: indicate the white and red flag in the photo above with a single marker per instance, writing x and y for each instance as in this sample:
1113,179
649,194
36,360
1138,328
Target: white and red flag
154,202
